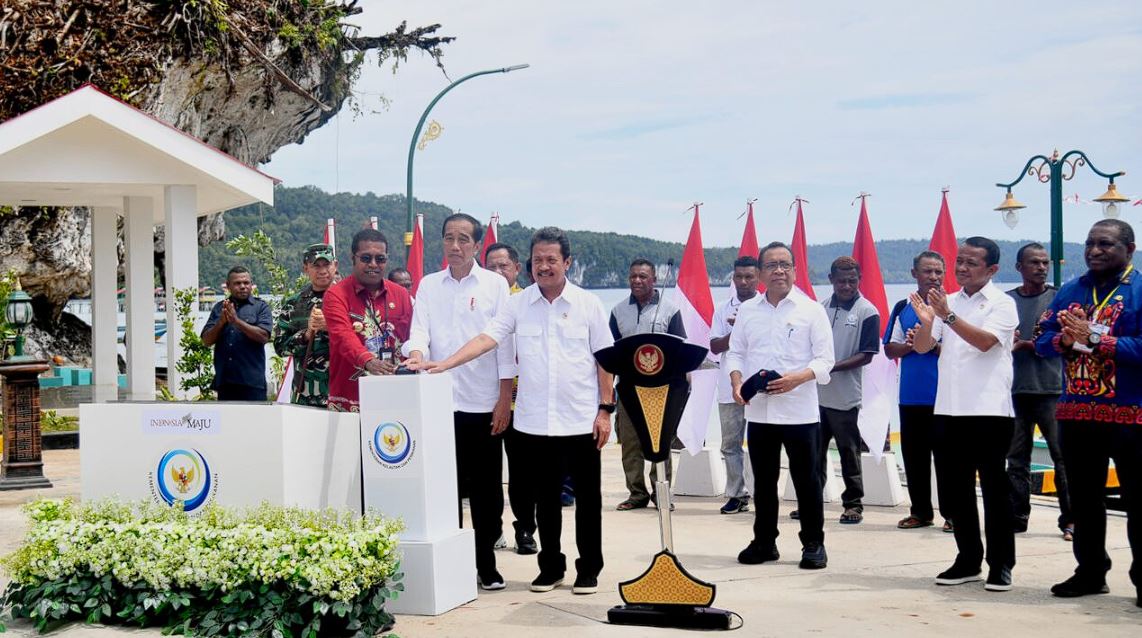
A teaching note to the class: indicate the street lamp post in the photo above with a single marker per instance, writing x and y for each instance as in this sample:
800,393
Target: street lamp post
420,125
1054,170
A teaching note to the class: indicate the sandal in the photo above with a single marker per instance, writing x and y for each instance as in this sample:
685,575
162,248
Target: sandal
913,522
851,517
1069,533
629,505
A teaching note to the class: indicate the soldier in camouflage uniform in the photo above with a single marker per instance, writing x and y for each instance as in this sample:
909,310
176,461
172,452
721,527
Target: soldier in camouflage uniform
300,331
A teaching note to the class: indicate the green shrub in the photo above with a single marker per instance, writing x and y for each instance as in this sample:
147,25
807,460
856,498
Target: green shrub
270,571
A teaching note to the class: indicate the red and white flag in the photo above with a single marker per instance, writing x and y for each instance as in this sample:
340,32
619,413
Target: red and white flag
749,236
1138,202
878,387
330,234
373,222
944,242
415,263
489,236
694,297
696,303
801,254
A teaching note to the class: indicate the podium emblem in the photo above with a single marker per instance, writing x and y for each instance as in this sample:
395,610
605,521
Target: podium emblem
392,445
649,359
183,476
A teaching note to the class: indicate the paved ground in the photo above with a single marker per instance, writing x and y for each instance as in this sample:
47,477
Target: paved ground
879,579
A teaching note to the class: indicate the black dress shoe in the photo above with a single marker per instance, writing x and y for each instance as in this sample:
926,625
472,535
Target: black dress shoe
1076,586
813,556
998,579
757,553
958,574
525,543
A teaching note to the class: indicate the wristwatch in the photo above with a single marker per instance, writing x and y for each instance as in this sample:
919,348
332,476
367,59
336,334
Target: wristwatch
950,319
609,408
1093,339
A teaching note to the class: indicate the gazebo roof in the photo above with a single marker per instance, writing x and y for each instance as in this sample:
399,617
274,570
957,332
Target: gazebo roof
88,148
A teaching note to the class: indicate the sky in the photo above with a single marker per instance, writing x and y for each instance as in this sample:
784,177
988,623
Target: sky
631,111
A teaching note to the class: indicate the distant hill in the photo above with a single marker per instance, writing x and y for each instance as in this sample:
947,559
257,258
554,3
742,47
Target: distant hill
601,259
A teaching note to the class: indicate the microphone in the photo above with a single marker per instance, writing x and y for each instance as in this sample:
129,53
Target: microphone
661,293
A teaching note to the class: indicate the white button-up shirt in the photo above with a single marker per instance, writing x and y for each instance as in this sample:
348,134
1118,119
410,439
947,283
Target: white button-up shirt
719,328
448,313
975,383
555,341
787,338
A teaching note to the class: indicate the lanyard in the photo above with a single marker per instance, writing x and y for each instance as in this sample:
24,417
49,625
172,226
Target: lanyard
1094,293
371,312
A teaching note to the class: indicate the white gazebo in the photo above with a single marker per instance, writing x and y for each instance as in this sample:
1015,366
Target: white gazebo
88,148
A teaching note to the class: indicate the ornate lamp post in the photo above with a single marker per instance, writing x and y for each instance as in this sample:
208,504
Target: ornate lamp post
420,125
1054,170
23,465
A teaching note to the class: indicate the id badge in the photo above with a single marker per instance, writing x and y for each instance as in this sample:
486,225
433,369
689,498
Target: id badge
376,344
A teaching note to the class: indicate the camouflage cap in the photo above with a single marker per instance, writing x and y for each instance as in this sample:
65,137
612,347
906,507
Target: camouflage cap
313,252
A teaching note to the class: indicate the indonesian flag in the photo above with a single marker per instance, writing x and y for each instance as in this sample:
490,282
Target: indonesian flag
489,237
944,242
801,255
879,377
749,241
1138,202
749,236
696,303
415,263
330,234
285,389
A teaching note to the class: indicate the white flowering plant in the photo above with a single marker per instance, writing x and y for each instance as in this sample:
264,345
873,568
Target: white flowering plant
268,571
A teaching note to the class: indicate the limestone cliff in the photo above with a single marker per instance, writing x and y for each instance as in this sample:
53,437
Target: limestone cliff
246,76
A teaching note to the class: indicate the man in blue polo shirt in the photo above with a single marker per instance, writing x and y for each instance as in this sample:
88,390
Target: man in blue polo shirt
918,378
239,328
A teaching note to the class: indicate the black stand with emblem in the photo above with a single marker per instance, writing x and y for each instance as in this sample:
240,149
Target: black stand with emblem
653,389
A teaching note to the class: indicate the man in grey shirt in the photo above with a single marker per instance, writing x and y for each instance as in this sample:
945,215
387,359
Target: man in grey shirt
1035,391
856,338
644,311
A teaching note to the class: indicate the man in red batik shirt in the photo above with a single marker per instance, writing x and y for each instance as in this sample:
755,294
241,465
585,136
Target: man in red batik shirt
368,319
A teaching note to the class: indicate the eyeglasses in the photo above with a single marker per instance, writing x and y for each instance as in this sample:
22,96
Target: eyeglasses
366,258
777,265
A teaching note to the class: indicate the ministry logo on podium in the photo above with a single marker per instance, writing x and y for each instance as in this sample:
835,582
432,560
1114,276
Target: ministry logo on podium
183,476
392,445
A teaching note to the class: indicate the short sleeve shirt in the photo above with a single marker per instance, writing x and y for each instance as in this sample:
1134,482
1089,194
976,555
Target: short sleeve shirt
919,373
975,382
237,359
856,328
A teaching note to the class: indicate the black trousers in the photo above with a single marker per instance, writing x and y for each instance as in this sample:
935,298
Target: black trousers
1087,446
802,443
521,494
235,392
917,434
550,459
966,445
479,474
842,426
1032,410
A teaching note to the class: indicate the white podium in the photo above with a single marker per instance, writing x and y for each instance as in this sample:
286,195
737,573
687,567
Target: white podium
408,457
700,475
234,454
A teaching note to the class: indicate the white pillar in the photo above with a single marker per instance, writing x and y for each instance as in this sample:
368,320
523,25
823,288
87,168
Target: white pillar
104,305
140,240
180,212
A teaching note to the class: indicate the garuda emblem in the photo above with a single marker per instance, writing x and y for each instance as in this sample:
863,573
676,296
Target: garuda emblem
183,477
649,359
392,440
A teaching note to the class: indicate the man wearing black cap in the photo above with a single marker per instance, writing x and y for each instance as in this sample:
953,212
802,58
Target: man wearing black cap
300,331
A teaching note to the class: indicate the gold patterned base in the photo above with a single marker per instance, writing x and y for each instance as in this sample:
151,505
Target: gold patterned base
666,582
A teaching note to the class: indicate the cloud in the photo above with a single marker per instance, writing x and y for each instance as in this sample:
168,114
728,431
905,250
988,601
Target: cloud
904,101
633,110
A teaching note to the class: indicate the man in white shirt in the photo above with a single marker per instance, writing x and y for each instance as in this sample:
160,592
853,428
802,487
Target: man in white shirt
975,419
787,334
453,305
732,415
564,404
